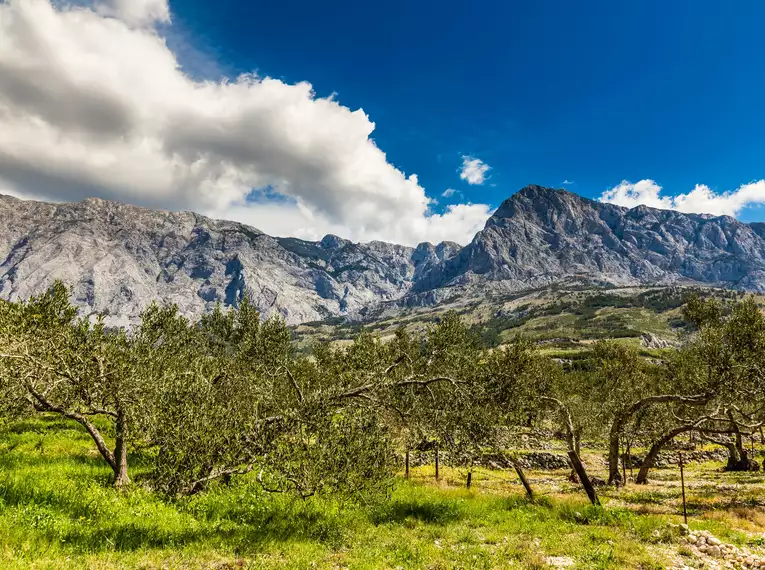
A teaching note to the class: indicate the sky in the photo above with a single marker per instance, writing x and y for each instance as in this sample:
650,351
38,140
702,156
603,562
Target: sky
401,121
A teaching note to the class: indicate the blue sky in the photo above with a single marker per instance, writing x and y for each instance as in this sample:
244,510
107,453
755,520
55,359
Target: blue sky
400,121
591,92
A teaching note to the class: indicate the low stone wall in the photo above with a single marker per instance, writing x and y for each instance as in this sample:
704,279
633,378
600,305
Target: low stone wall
672,458
553,461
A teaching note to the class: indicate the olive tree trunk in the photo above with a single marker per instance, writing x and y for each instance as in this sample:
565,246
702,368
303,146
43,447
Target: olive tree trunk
626,414
658,445
573,454
117,459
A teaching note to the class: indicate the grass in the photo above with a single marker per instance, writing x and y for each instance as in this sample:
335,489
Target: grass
57,511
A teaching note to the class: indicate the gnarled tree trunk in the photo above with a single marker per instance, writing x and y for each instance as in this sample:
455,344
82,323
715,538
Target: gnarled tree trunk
120,466
623,416
573,453
117,459
738,457
614,478
656,448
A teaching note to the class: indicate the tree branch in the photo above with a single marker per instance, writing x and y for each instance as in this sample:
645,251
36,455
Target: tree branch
294,384
48,406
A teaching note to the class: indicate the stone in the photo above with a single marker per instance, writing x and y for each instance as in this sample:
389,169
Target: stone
650,340
560,561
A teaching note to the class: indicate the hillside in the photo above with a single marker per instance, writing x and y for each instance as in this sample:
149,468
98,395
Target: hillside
561,320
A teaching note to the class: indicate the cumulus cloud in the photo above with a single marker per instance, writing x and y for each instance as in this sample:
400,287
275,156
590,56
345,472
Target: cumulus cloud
700,200
449,192
94,103
135,12
567,182
473,170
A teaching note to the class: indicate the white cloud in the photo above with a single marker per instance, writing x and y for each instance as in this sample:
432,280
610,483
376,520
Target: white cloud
567,182
473,170
459,222
94,103
135,12
700,200
449,192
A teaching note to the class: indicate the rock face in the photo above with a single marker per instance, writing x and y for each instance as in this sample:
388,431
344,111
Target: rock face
541,236
650,340
119,258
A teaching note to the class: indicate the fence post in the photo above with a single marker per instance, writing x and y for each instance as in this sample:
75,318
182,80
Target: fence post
682,484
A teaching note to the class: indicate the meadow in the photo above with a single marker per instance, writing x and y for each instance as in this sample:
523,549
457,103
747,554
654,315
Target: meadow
58,510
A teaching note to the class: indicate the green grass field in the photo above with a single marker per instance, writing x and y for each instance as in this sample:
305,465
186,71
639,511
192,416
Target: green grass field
58,511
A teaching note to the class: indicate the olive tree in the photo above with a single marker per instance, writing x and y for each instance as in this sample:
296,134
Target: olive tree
723,360
628,385
55,362
730,351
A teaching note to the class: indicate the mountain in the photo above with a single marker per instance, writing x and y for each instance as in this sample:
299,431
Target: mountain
541,236
118,258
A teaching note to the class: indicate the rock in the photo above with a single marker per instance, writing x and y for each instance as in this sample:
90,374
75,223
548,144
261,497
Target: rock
650,340
714,541
560,561
543,460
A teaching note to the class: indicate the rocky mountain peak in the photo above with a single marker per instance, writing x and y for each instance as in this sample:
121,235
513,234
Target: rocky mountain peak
541,236
559,209
331,241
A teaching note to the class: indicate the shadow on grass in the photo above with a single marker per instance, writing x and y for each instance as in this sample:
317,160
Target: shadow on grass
44,424
272,526
424,510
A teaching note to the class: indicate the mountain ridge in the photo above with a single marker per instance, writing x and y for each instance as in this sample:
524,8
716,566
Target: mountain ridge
118,258
539,235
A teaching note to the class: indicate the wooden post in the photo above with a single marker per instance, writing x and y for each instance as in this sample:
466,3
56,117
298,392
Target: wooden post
437,473
406,472
469,479
524,481
682,484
